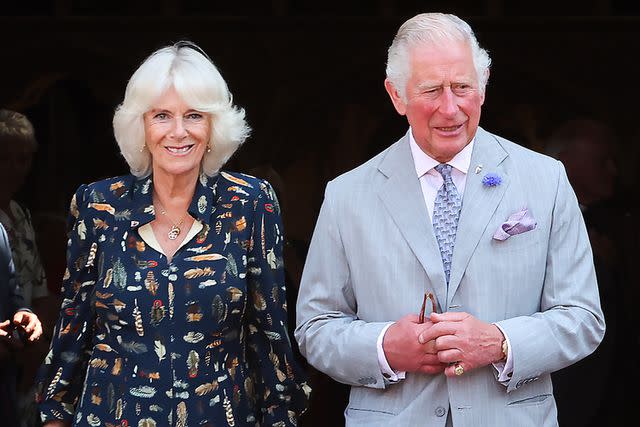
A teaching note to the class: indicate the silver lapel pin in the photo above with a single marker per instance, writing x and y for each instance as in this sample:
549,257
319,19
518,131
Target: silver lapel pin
478,169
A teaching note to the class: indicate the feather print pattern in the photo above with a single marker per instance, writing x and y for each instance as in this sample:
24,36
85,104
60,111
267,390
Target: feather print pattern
137,316
170,296
150,283
160,349
218,309
236,180
205,257
198,341
206,388
181,414
198,272
228,411
92,255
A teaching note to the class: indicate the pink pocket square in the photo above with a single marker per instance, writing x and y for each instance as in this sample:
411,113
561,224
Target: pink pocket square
517,223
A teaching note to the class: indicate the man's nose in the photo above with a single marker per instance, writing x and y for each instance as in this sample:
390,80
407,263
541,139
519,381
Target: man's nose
448,102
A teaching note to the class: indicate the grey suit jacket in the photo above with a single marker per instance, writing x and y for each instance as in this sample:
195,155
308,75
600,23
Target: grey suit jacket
374,253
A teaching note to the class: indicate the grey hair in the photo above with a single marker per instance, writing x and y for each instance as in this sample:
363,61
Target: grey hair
186,68
16,127
431,28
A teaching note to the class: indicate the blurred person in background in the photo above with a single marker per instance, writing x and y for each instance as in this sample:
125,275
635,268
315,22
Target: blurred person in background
586,392
19,327
17,147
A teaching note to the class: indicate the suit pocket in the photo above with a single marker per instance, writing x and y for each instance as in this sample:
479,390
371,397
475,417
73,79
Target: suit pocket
518,242
533,393
533,400
367,417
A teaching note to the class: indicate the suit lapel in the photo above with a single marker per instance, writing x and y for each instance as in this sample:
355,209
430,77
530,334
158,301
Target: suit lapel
402,196
478,204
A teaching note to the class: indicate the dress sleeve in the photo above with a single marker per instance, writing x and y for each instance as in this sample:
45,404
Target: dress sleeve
60,378
282,392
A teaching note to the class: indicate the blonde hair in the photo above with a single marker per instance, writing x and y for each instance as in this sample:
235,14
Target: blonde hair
186,68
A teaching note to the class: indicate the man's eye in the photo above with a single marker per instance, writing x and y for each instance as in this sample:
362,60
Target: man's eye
461,89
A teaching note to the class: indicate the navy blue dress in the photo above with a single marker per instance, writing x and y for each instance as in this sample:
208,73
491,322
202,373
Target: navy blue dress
199,341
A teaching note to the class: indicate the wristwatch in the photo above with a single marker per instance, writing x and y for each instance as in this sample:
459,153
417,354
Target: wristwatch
505,349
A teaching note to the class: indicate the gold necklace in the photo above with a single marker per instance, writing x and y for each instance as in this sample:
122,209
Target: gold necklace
175,228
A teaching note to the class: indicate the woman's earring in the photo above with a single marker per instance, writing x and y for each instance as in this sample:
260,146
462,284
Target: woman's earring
142,147
208,147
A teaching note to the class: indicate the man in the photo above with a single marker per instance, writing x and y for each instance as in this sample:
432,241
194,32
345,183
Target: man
17,147
19,318
493,230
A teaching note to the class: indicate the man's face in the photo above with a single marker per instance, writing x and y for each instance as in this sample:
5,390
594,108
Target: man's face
442,99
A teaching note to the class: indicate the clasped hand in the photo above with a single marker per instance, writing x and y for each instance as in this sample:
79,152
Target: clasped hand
440,342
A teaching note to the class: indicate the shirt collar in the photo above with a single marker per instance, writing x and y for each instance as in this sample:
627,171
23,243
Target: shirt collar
201,206
424,163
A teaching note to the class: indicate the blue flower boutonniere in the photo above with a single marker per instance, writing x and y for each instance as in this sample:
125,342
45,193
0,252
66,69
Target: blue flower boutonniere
491,180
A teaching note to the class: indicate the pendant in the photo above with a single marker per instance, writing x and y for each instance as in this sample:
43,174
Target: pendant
174,232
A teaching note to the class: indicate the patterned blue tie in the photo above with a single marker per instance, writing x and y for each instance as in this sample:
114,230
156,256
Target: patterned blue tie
446,213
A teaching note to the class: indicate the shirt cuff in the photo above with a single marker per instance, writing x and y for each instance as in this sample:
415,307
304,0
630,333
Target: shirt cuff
504,368
389,374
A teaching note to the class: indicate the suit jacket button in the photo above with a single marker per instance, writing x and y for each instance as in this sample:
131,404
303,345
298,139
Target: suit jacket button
440,411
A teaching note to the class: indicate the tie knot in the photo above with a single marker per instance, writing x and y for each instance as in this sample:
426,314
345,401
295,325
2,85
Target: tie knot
444,170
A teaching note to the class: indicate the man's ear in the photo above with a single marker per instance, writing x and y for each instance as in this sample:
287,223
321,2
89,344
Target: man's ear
396,99
486,75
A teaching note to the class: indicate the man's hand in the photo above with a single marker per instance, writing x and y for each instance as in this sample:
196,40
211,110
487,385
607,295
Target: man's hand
405,353
461,338
30,322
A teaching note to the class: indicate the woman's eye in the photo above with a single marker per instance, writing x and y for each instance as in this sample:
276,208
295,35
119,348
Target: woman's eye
194,116
160,116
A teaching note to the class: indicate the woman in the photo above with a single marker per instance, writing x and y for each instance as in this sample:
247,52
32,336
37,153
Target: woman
174,305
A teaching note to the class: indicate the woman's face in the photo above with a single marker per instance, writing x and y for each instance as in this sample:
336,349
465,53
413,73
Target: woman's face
176,135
